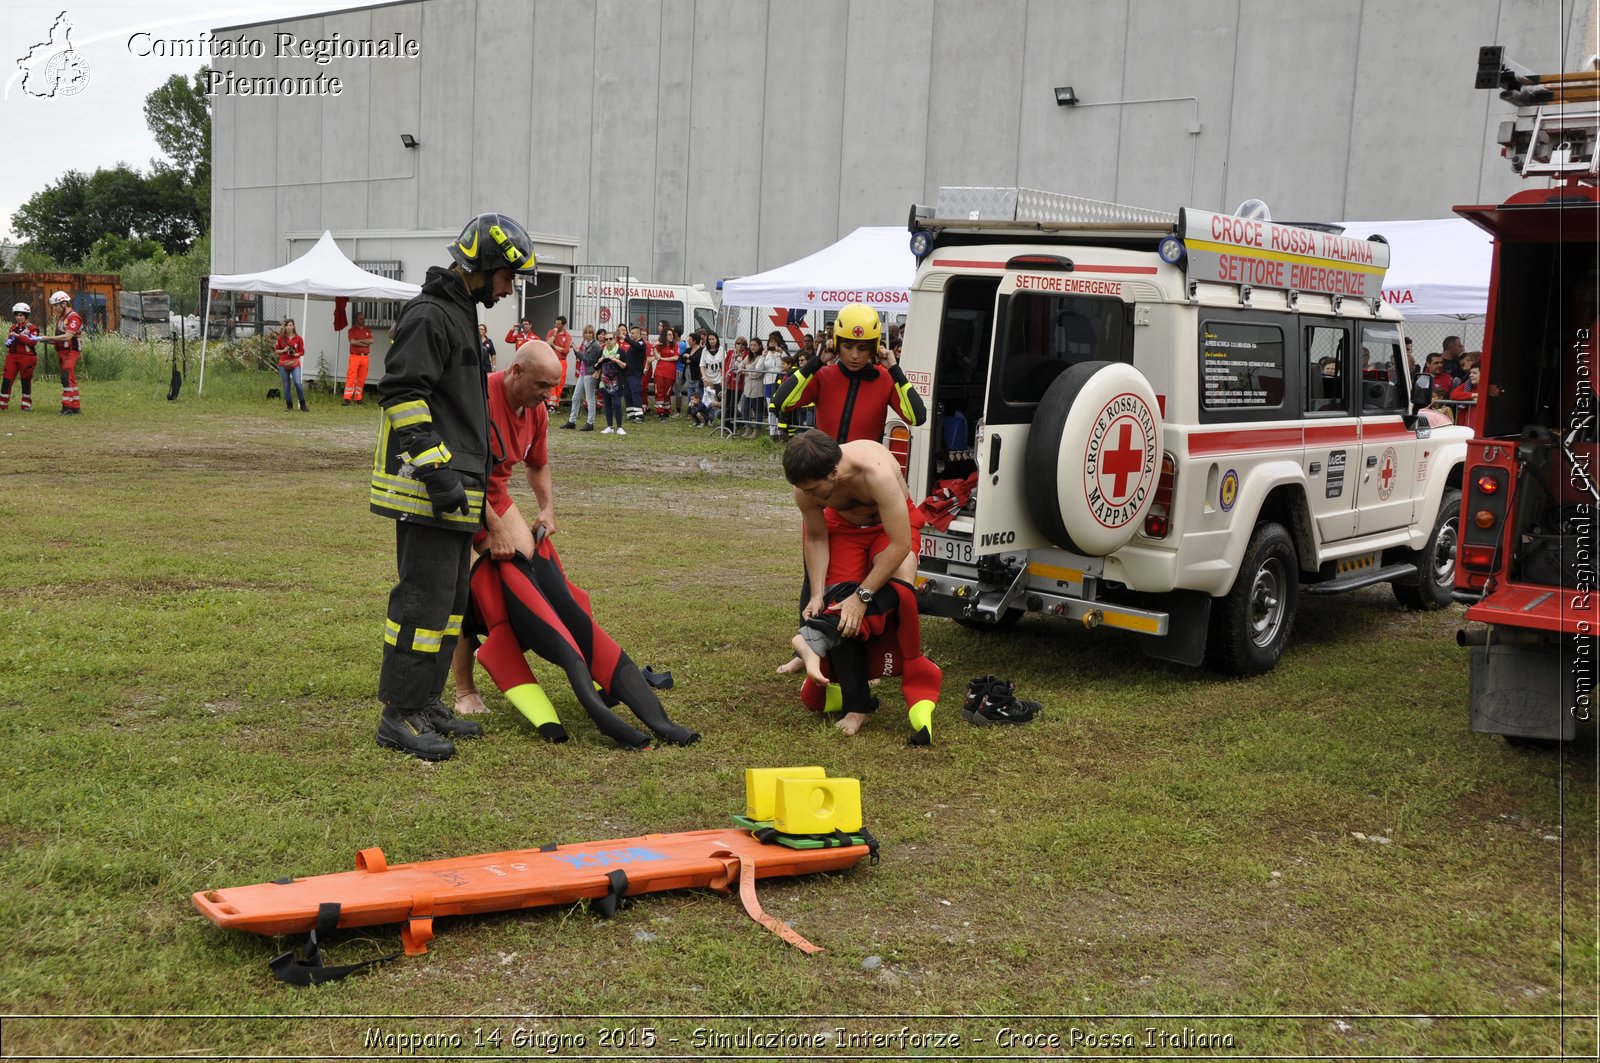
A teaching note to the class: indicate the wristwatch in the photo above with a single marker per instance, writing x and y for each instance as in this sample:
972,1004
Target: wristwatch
864,594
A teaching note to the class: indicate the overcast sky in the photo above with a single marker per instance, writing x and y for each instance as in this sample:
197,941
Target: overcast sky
103,124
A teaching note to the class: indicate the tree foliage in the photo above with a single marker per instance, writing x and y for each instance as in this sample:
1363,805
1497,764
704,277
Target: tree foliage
120,214
179,116
69,217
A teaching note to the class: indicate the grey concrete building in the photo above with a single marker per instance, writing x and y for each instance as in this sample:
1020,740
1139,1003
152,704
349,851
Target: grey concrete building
691,140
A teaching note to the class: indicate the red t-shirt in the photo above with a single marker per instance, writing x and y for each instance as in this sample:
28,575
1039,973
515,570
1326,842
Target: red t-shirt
360,341
513,438
290,350
517,339
561,340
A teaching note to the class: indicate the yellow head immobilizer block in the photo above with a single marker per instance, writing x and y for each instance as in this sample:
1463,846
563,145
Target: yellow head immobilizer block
761,788
817,806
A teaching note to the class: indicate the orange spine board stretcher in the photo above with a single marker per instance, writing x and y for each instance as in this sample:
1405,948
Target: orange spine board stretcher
377,893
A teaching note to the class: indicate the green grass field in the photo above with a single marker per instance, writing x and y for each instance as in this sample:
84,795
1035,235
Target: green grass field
1319,862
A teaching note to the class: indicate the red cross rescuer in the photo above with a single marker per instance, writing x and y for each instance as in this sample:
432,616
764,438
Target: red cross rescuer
21,356
428,475
69,345
854,393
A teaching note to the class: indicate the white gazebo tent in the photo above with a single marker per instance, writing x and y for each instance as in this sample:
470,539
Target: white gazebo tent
872,265
321,273
1438,267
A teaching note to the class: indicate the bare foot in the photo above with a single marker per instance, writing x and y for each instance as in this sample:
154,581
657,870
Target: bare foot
470,704
792,665
812,662
851,722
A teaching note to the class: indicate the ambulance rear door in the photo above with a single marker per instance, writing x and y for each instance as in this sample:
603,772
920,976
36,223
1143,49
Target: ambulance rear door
1044,326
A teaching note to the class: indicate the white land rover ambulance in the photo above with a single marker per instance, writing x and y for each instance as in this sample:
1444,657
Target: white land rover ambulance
1174,422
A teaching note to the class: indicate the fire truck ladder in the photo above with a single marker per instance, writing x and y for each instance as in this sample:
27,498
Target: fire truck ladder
1557,125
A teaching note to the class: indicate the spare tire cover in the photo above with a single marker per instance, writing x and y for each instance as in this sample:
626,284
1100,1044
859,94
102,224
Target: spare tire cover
1093,457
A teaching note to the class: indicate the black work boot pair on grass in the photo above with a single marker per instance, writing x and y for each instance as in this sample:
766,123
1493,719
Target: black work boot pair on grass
425,733
991,701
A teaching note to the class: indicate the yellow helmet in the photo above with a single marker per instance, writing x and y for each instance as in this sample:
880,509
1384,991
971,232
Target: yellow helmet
858,322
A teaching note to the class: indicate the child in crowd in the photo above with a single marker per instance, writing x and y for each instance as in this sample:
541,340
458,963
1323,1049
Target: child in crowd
703,411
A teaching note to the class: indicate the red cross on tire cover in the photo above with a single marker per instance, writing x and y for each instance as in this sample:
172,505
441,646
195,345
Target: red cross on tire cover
1093,457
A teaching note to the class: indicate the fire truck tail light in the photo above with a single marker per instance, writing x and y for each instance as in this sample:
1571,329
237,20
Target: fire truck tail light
1483,518
1479,558
1488,484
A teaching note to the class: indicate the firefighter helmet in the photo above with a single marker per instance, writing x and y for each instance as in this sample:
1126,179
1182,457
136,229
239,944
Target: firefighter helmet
858,322
60,297
22,308
494,241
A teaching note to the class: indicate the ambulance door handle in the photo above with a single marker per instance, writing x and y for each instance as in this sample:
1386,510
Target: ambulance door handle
1372,461
994,454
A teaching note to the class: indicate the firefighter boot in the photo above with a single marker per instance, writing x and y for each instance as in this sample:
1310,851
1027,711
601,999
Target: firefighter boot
411,732
447,723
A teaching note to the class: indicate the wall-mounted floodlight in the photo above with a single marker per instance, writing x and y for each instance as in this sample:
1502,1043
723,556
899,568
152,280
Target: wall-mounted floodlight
1065,97
408,140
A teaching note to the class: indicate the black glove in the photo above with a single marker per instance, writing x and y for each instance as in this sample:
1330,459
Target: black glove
444,490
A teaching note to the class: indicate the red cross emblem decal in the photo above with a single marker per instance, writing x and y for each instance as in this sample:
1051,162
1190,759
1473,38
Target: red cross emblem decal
1124,459
1386,475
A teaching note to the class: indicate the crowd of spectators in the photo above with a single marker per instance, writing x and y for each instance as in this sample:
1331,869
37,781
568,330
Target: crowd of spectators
1448,380
626,376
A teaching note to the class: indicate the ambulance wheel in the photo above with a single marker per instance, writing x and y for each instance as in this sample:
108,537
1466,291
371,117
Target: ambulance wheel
1250,625
1006,621
1436,562
1093,457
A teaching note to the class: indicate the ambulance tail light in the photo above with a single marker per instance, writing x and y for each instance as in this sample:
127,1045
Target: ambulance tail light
1158,522
900,446
1478,558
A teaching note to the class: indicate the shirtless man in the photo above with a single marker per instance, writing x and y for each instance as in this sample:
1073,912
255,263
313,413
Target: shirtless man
858,529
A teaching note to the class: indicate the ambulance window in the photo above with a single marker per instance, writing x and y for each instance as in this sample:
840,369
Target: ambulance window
706,319
1327,369
1383,387
1047,334
1242,368
961,371
647,313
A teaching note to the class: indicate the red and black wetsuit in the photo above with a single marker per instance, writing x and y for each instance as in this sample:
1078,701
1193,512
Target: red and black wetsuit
852,405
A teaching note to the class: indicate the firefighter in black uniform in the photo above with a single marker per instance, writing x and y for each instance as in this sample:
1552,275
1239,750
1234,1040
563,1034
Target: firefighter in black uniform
429,473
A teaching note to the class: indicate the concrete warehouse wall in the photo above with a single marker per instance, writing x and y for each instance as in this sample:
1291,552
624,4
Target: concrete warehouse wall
697,139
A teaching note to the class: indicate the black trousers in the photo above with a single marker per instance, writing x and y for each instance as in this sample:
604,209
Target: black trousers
425,612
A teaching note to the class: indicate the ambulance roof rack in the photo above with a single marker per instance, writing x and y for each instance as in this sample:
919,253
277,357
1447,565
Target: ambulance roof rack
1558,117
986,206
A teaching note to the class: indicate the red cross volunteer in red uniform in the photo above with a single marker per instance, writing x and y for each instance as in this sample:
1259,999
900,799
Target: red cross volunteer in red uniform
20,356
69,345
560,341
355,374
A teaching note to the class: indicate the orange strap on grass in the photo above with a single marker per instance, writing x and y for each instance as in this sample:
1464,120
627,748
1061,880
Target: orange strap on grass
739,866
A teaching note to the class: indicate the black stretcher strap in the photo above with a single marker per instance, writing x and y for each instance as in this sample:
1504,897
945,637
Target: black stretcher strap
607,906
286,967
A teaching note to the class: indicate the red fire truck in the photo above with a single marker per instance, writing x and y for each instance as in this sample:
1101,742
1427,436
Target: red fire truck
1527,561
